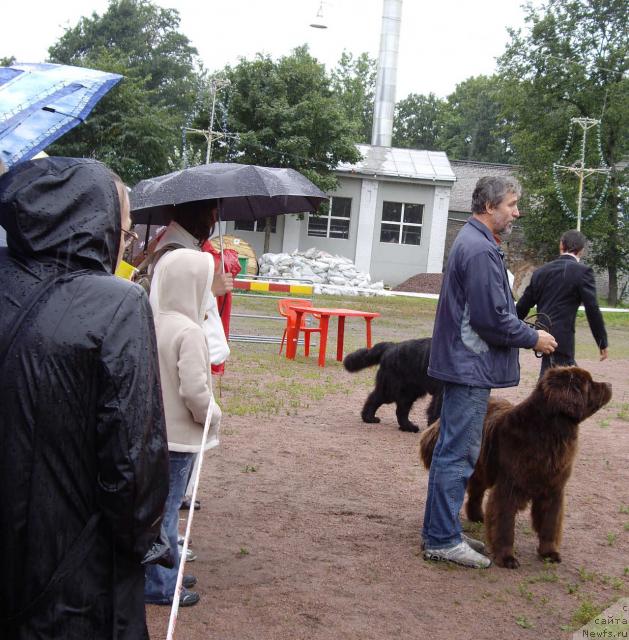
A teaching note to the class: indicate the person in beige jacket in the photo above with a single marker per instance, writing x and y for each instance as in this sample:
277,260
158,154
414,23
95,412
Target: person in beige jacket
184,364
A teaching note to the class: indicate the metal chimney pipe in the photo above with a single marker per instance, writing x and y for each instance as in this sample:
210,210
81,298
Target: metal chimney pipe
384,103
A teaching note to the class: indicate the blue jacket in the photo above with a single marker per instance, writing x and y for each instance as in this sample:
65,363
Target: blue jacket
477,332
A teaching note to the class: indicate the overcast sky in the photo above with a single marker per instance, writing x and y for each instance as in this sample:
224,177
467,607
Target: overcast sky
441,42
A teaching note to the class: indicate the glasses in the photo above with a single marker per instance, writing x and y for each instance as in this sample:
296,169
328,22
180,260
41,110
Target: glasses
129,237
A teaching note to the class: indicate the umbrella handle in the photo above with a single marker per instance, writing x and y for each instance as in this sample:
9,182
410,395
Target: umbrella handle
220,233
146,237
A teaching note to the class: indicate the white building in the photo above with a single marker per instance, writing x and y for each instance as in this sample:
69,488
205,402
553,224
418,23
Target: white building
389,215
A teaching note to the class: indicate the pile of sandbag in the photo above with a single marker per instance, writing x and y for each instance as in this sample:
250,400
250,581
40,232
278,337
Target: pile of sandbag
330,274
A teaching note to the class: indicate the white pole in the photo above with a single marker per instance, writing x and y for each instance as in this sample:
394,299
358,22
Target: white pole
182,561
210,138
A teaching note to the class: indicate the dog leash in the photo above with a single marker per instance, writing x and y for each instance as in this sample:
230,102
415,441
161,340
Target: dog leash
541,321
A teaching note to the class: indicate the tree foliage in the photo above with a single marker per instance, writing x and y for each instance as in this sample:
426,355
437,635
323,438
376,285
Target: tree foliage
571,61
283,113
474,126
418,122
354,83
135,126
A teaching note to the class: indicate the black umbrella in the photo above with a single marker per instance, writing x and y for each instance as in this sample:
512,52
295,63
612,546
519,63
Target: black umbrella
244,192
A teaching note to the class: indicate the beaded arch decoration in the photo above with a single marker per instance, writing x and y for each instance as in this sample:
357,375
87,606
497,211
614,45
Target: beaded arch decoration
603,167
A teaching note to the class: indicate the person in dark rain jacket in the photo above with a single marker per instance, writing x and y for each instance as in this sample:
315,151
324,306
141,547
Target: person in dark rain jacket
83,449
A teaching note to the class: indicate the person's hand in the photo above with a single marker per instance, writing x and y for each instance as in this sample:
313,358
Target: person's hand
604,354
545,344
222,283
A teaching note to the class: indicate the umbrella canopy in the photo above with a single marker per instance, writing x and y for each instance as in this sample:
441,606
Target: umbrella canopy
245,192
40,102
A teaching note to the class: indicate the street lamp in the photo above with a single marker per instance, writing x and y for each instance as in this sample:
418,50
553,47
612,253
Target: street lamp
318,22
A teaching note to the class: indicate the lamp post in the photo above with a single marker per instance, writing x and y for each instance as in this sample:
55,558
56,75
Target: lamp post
318,22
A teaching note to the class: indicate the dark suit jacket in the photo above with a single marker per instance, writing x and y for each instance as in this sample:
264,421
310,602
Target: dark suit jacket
558,288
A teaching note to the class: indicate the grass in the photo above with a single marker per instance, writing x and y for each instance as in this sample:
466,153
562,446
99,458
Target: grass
548,575
585,612
260,383
585,575
522,621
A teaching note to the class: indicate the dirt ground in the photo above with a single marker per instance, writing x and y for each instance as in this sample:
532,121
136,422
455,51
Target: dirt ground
310,524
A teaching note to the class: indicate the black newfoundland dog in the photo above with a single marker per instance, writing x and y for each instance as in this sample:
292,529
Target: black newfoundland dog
402,378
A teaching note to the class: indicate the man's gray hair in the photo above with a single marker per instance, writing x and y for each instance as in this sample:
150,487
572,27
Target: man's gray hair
492,190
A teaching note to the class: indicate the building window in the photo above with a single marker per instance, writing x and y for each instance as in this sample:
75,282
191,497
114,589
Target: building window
401,222
333,221
255,225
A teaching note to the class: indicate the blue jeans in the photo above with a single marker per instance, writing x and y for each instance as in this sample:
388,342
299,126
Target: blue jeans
453,461
160,583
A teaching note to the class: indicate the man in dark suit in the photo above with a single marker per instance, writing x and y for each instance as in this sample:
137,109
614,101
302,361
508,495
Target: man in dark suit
558,288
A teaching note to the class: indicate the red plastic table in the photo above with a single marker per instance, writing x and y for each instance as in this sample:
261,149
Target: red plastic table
325,314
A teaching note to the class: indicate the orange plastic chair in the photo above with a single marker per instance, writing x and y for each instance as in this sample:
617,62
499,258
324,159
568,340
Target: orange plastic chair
284,306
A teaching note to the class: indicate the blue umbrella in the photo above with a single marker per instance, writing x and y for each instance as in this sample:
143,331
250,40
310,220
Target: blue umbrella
40,102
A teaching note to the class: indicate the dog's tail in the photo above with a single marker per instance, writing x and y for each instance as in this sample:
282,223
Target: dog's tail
363,358
427,443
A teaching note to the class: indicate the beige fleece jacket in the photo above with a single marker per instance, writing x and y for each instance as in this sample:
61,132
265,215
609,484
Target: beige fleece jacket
184,288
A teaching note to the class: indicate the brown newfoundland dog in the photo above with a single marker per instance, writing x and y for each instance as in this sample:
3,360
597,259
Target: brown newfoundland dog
526,456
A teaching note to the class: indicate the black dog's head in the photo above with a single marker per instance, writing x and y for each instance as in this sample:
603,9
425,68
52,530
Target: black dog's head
571,391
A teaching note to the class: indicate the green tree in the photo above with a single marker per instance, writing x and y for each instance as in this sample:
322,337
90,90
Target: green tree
474,126
284,114
135,127
354,82
418,122
7,61
571,61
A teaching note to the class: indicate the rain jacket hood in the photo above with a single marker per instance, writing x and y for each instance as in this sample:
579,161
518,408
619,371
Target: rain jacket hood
185,280
63,212
190,271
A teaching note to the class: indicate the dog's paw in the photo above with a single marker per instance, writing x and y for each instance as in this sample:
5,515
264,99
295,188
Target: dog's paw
475,515
551,556
507,562
371,419
410,427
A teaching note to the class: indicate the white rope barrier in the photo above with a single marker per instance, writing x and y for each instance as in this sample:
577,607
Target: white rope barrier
182,561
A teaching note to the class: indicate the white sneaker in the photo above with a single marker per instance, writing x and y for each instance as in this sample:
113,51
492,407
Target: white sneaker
477,545
461,554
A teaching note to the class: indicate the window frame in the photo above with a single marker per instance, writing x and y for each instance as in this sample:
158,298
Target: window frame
255,225
401,224
329,217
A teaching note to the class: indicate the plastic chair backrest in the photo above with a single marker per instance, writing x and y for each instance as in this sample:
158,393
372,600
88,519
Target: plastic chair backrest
286,303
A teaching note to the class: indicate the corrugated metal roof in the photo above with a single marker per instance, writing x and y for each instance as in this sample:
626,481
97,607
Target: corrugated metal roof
415,164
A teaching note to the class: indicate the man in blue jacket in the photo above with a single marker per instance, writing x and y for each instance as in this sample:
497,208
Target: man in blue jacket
474,349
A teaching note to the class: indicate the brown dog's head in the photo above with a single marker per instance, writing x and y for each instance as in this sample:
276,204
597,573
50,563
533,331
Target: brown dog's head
571,391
